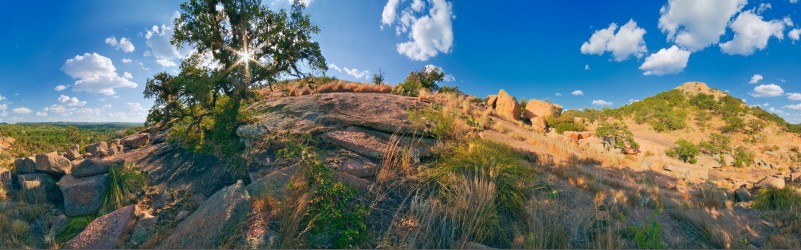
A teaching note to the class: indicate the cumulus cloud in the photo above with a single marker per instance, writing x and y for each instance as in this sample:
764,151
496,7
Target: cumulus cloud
586,67
695,25
126,60
577,93
429,33
666,61
21,110
127,75
767,90
2,98
751,33
558,94
41,114
158,40
60,88
794,34
794,96
755,79
3,106
793,107
358,74
600,102
623,43
136,107
95,74
71,101
123,44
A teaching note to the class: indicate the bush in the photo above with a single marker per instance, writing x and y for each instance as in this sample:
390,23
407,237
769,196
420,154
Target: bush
705,102
564,122
436,120
75,226
684,150
777,199
733,124
617,135
124,183
648,235
427,79
716,144
742,157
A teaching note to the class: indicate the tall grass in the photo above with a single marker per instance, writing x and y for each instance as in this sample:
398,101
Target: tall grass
777,199
124,183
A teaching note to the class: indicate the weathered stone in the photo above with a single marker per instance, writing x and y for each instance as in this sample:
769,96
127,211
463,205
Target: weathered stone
208,227
38,187
538,124
360,184
159,200
274,184
87,155
491,100
507,106
120,149
690,173
95,166
72,154
101,153
359,142
181,215
95,149
5,178
52,163
144,229
576,136
136,141
25,165
742,195
82,196
105,232
358,167
538,108
770,182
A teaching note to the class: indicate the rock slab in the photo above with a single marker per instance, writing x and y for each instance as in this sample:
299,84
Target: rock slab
507,106
53,163
137,140
94,166
83,196
210,225
105,232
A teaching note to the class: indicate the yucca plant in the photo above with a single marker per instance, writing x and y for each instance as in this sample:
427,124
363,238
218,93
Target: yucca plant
123,183
777,199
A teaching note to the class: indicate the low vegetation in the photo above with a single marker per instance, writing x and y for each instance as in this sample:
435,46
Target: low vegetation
785,199
685,151
617,135
125,182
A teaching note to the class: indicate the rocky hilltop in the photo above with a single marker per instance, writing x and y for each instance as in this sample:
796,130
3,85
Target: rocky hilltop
437,170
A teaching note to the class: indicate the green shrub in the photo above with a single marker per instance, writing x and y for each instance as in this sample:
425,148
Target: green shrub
435,120
756,126
684,150
742,157
426,78
733,124
124,182
617,135
777,199
705,102
75,226
716,144
564,122
648,235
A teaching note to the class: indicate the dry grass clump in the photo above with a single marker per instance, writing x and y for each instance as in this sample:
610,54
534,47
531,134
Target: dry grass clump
546,226
706,230
299,89
26,225
712,196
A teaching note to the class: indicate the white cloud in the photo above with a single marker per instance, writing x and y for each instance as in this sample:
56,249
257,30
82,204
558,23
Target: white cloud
127,75
577,92
95,74
695,25
126,60
136,107
558,94
448,78
627,42
2,97
767,90
106,106
158,40
123,44
41,114
600,102
71,101
21,110
59,109
666,61
778,111
60,88
352,72
755,79
794,96
793,107
763,7
794,34
3,106
586,67
751,33
429,33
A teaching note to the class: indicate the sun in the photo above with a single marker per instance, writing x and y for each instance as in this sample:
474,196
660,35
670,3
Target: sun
244,56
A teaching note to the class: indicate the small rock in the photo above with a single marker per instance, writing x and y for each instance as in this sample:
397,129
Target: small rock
360,184
742,195
181,215
95,166
137,140
159,200
112,151
491,100
770,182
273,184
144,229
39,187
83,196
95,149
54,164
101,153
507,106
358,167
543,109
106,231
25,165
73,153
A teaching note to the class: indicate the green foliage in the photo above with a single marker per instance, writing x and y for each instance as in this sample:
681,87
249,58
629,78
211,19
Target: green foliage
742,157
665,111
34,138
617,135
756,126
648,235
427,78
733,124
705,102
75,226
684,150
702,117
450,89
378,78
565,122
716,144
124,183
334,209
494,161
436,121
777,199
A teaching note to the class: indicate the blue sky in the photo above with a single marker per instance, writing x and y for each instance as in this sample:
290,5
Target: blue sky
88,60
